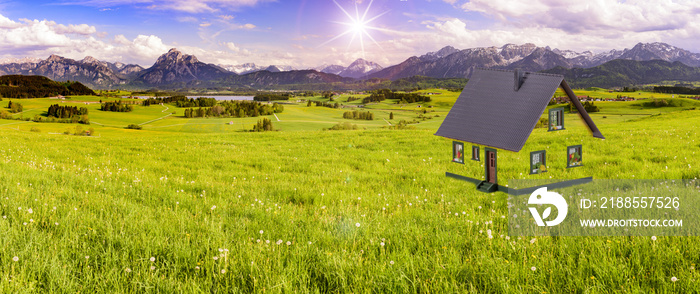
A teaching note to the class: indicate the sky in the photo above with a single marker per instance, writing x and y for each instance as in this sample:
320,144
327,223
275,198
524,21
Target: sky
312,33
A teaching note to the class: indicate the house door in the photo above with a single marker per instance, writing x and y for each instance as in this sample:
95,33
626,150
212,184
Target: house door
491,166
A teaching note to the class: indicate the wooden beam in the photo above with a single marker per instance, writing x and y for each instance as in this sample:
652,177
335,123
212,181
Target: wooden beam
581,111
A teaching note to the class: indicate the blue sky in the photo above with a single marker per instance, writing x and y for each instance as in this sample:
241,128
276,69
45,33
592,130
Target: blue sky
309,33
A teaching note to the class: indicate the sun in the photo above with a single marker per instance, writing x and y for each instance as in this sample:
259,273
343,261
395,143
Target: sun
359,26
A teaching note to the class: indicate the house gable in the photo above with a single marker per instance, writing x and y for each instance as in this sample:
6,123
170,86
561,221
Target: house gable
494,111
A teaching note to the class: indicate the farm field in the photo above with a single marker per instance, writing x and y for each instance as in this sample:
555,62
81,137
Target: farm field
200,205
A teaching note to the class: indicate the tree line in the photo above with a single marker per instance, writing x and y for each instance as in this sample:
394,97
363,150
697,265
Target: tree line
60,111
365,115
116,106
588,106
383,94
18,86
677,90
271,96
322,104
181,101
235,109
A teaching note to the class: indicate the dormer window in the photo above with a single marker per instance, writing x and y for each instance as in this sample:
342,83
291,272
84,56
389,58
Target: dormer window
556,119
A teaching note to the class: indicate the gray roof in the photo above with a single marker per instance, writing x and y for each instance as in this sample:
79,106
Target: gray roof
491,112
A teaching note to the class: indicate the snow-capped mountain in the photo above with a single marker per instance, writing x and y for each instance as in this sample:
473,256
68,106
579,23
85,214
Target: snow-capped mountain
331,69
360,68
460,63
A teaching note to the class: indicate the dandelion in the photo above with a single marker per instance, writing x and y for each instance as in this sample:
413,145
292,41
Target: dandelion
267,241
391,262
223,271
55,224
216,258
261,232
128,270
279,242
533,268
87,256
533,240
196,267
289,243
213,207
382,244
153,259
357,225
674,279
30,210
153,267
653,238
15,259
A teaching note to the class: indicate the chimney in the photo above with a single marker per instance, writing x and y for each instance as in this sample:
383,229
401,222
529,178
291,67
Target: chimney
519,78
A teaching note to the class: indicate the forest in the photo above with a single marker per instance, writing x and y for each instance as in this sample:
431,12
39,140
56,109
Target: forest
234,109
18,86
381,95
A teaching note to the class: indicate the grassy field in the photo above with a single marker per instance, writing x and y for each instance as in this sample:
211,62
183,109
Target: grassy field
197,205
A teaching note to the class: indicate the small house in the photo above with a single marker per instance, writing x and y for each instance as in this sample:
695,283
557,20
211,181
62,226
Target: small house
498,110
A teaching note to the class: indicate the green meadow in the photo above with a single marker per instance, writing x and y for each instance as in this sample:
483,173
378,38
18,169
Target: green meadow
201,205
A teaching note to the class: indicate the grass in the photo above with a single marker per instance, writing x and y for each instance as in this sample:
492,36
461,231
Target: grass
362,211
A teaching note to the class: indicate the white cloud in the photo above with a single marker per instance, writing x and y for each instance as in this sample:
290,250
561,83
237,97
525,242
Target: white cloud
187,19
189,6
591,16
247,26
231,46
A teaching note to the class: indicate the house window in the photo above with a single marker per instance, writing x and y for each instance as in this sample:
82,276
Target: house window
538,162
573,158
556,119
457,152
475,153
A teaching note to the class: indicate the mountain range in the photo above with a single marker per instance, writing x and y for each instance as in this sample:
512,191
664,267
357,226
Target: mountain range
176,69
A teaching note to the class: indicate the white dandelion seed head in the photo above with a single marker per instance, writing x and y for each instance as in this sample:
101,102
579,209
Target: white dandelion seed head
223,271
15,259
152,259
382,243
653,238
289,243
215,258
261,232
674,279
153,267
533,268
128,270
357,225
391,262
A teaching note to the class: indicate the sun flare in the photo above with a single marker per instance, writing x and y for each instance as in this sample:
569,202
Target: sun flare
358,26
